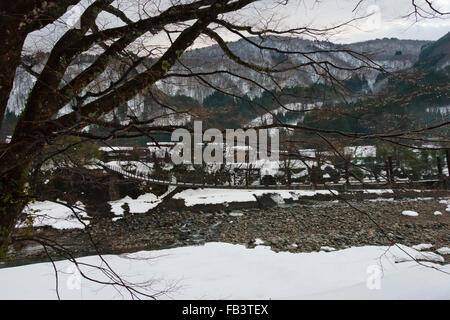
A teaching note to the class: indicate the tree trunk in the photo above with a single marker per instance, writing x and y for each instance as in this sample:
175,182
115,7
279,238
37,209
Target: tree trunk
391,171
10,50
439,167
13,198
18,19
15,166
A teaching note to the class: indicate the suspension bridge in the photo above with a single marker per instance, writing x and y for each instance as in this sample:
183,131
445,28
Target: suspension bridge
144,176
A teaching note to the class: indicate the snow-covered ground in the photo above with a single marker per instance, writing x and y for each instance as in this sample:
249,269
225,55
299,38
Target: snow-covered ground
59,216
48,213
227,271
220,196
447,202
410,213
141,204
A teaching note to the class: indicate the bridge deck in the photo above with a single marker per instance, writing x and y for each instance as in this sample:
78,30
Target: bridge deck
341,186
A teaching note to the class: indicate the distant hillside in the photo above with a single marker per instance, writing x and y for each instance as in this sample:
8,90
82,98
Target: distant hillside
300,87
436,54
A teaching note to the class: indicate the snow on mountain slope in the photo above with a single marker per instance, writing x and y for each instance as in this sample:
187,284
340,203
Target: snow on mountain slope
393,54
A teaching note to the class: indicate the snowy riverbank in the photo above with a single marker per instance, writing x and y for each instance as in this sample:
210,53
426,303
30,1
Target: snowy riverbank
226,271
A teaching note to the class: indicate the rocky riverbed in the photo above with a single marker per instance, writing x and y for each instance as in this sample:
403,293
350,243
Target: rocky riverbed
314,226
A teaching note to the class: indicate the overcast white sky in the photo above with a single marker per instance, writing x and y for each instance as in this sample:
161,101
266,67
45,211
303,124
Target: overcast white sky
384,18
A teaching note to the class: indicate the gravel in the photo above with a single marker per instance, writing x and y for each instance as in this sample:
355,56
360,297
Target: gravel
296,228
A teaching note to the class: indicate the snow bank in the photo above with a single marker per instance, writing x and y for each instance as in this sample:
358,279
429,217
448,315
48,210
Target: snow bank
410,213
411,254
220,196
327,248
447,202
422,246
227,271
376,191
142,204
58,216
443,250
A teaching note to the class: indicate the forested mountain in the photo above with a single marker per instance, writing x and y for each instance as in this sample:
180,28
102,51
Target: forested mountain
297,89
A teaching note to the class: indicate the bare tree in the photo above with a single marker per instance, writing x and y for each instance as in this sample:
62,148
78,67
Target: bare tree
37,125
89,97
